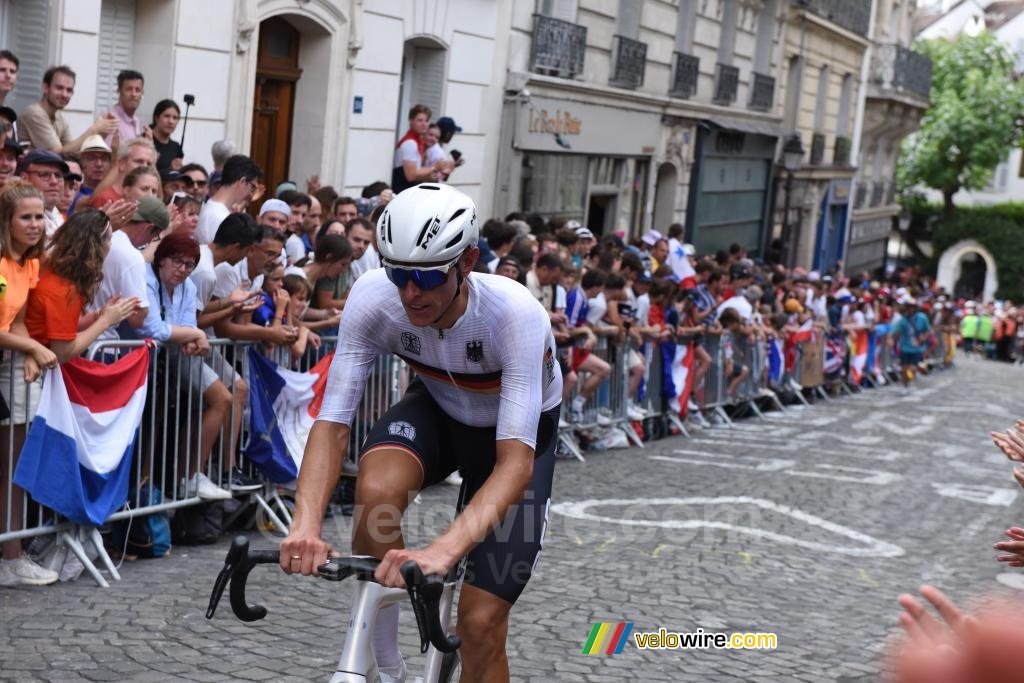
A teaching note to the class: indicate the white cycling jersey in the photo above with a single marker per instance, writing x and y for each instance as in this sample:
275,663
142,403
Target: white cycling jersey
495,367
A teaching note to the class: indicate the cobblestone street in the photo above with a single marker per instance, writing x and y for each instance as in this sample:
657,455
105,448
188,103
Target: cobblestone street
807,524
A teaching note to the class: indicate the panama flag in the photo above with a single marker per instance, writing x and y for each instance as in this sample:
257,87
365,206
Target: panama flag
77,456
283,404
858,355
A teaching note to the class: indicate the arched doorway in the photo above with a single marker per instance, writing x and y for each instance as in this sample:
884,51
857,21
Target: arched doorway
968,269
277,76
665,197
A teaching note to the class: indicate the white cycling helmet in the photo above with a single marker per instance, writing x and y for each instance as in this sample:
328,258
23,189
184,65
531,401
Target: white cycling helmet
427,225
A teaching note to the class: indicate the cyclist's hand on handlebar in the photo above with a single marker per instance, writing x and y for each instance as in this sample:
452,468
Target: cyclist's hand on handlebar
302,554
431,561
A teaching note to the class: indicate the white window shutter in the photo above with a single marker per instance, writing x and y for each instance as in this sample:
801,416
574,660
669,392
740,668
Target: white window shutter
117,36
29,41
428,77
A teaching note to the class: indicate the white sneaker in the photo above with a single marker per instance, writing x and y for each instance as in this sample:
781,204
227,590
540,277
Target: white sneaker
201,486
577,416
635,413
562,424
393,674
454,479
71,568
603,420
25,572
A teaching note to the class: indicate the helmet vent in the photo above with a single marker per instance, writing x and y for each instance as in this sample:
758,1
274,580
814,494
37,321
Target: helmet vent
428,187
423,232
390,238
457,214
455,240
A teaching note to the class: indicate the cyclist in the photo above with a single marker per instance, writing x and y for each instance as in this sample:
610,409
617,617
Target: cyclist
486,400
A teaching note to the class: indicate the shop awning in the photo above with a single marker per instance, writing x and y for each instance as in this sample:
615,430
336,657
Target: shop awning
755,126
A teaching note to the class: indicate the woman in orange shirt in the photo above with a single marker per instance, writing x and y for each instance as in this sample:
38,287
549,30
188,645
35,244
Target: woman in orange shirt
22,228
73,271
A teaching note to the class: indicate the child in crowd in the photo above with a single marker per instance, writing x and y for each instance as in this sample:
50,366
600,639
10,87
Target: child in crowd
299,292
735,372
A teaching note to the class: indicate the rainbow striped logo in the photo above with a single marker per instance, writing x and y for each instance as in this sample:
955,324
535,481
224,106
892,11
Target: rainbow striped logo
608,638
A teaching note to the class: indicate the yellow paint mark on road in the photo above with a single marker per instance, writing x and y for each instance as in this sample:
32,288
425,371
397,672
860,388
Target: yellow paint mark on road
579,541
747,557
867,579
604,545
657,551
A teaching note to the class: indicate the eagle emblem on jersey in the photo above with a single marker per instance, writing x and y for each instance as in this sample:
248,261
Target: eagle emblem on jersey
402,429
411,343
475,351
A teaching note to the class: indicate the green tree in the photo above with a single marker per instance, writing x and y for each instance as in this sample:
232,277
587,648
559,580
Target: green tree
974,119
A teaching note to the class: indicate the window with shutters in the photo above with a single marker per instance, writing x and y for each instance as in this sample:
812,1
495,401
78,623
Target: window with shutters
117,34
423,78
26,33
558,9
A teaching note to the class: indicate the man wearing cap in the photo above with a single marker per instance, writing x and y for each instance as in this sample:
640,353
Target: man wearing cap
131,154
42,122
172,182
72,184
124,269
96,161
45,171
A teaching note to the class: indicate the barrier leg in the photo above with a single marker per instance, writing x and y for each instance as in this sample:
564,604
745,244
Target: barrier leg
724,416
799,391
271,515
631,435
677,422
93,535
68,538
569,443
821,392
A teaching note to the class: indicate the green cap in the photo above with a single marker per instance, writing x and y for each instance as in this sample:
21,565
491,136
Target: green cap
152,210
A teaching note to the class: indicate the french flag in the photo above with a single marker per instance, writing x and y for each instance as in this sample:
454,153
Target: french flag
77,457
859,355
283,404
677,379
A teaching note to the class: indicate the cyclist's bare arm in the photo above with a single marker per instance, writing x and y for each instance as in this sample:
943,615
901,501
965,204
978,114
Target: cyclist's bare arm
321,467
503,488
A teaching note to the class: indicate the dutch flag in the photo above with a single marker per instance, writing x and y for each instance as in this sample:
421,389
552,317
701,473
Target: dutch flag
77,457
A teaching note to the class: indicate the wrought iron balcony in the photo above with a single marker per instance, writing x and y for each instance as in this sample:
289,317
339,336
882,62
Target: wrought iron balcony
896,68
629,57
818,148
852,15
558,47
686,70
762,92
841,155
727,80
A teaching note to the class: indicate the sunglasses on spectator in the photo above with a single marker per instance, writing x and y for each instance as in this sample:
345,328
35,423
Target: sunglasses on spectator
424,278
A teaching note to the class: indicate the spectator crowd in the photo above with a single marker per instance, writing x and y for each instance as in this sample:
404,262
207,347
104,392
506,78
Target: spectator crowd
110,233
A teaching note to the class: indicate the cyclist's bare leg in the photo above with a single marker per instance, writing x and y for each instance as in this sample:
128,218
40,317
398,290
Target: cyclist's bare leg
483,628
388,479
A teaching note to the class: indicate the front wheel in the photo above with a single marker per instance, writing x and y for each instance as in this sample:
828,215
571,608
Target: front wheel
451,668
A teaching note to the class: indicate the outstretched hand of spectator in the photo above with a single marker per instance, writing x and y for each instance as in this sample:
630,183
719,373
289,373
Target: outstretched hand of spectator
1015,547
43,358
117,309
313,339
105,125
386,196
313,184
120,212
258,193
32,369
1011,443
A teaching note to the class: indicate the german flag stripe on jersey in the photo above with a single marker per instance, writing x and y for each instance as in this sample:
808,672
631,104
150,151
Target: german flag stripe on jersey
478,383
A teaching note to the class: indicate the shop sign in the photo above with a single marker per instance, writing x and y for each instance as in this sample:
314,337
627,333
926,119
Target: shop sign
552,125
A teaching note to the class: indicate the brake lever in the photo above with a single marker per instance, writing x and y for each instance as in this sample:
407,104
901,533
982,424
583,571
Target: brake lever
425,594
235,572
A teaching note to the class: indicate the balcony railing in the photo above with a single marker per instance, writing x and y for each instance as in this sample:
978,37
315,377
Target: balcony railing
894,67
841,155
628,60
878,193
852,15
727,80
685,75
818,148
558,47
861,198
762,92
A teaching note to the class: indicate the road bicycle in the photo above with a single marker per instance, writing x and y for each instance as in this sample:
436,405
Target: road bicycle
431,597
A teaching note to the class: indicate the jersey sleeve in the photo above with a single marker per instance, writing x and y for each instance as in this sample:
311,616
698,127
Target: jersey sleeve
359,344
528,366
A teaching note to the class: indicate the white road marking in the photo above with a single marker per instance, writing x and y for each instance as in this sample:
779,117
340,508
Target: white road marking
976,493
871,547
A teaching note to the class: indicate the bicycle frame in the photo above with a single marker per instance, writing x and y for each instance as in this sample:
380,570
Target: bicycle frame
358,663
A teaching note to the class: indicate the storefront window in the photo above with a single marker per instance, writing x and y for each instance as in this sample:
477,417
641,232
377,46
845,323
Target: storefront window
554,185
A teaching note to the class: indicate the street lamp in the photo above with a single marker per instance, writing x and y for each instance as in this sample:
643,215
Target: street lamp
792,157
